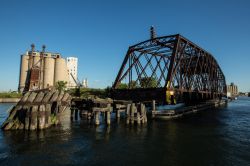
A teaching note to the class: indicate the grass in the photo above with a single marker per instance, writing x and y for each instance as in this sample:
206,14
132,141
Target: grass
10,95
83,93
90,92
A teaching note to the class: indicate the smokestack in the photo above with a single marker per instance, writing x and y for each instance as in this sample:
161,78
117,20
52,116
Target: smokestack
152,32
43,50
32,47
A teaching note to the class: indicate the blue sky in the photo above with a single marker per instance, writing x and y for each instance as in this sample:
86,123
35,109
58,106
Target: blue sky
100,32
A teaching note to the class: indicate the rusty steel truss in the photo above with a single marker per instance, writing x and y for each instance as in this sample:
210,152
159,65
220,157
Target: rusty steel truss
153,68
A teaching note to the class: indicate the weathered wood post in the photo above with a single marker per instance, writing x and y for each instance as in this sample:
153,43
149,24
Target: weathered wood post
144,113
108,114
118,113
89,115
47,109
97,116
72,113
133,110
138,118
27,117
47,115
41,117
76,114
41,111
108,117
128,110
153,109
34,113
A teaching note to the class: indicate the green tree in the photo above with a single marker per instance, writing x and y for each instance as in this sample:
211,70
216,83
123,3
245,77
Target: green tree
77,92
148,82
61,85
122,86
133,84
108,91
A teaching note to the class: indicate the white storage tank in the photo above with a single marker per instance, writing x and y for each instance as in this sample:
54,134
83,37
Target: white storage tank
24,67
60,70
36,60
48,74
30,60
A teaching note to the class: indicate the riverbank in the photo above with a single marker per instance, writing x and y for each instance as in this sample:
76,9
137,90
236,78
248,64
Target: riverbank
9,100
10,97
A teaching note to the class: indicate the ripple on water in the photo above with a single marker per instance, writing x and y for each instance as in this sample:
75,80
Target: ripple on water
215,137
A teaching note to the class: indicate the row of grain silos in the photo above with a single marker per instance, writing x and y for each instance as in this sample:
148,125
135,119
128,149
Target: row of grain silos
52,69
55,70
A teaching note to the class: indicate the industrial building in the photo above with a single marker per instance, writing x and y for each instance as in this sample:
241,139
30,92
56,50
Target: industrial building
232,90
85,83
72,71
42,70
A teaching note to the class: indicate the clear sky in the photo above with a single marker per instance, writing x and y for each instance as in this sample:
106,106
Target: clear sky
100,32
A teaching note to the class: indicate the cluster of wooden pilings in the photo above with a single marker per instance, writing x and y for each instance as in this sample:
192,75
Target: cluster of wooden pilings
136,113
93,109
37,110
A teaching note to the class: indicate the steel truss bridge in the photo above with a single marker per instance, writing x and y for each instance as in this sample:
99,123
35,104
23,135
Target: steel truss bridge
169,69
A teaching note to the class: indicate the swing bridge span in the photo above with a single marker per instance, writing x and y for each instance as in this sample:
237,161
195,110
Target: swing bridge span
169,69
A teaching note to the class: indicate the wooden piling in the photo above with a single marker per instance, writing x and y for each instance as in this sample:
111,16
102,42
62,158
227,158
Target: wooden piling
33,111
144,113
108,117
128,110
132,113
27,118
72,113
33,122
76,114
138,118
153,109
47,115
97,116
108,114
41,117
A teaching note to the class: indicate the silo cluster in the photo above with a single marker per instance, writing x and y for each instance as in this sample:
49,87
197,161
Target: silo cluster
41,70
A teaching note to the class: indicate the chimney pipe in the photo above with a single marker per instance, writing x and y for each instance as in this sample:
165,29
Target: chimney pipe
43,50
32,47
152,32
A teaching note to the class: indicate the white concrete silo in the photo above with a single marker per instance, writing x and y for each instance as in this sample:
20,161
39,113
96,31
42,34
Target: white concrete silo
30,64
60,70
36,60
24,67
48,74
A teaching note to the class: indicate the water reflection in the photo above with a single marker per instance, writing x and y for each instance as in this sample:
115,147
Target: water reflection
215,137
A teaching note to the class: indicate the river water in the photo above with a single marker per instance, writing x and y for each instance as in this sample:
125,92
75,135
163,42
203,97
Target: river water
213,137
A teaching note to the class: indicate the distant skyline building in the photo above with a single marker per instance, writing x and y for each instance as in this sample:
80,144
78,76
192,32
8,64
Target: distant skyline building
72,65
85,83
